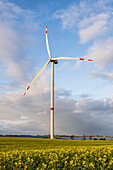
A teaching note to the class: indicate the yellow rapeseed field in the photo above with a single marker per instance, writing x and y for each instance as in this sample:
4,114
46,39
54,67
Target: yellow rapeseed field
45,154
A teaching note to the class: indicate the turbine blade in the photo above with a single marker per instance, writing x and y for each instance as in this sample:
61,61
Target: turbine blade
36,77
47,44
70,58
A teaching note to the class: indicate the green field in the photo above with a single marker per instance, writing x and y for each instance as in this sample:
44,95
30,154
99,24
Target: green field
31,153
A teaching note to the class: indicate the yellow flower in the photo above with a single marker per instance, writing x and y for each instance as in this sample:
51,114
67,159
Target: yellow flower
25,167
65,162
16,163
92,165
110,162
104,159
28,159
100,159
71,162
31,160
83,162
44,165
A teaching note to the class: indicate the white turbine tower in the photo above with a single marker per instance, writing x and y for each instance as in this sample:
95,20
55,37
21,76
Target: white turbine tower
53,61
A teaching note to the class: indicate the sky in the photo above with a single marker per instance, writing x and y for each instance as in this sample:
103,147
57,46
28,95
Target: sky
83,90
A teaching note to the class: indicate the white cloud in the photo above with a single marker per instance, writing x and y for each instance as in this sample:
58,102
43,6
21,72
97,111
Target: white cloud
14,70
6,122
8,42
111,97
77,66
93,26
22,117
68,16
31,114
12,15
16,26
61,93
11,51
89,18
102,53
92,19
41,84
106,76
83,116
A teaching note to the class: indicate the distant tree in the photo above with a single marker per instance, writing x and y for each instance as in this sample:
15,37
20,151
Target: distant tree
71,137
95,139
90,137
48,135
102,139
84,137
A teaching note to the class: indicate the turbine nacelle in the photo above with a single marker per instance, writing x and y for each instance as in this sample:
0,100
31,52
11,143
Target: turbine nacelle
55,61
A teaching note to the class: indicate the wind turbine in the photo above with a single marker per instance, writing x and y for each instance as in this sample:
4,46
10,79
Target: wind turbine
53,61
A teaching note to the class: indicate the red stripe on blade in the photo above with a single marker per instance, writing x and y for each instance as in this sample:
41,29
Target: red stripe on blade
81,58
90,60
46,29
28,87
24,94
52,108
